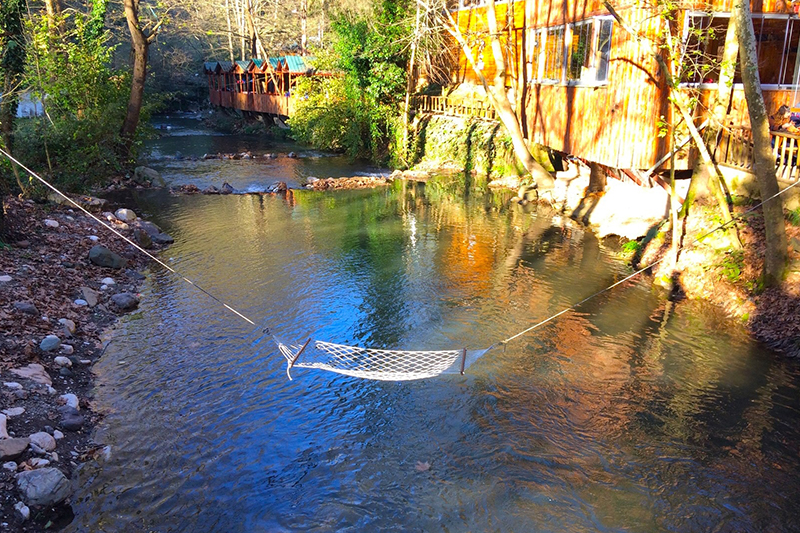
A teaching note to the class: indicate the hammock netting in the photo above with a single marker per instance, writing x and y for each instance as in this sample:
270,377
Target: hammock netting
373,363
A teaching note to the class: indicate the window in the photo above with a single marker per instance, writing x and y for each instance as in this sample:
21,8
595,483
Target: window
589,51
554,54
534,50
777,39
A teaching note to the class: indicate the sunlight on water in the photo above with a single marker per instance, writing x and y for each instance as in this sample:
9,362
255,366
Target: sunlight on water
630,414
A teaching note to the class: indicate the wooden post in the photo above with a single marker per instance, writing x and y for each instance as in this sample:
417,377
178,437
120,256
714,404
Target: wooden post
297,355
463,360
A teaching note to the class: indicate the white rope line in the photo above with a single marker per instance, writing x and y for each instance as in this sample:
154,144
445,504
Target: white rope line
126,239
654,263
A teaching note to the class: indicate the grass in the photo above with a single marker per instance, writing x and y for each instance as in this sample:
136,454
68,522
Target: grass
732,265
794,217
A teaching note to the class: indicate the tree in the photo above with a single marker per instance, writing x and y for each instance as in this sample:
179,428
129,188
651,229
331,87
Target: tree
498,96
141,38
763,160
12,66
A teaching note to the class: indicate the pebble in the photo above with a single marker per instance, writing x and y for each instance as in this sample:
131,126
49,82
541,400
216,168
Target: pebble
50,343
26,307
93,238
38,462
71,400
65,372
13,385
86,361
11,466
50,390
50,223
43,441
3,431
67,349
125,215
108,281
13,411
71,419
81,303
5,279
103,287
23,510
125,301
68,324
58,435
62,361
10,449
89,295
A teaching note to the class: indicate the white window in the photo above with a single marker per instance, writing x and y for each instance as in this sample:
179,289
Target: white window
589,51
553,54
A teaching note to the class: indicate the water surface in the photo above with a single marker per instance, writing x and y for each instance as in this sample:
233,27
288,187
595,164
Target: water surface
632,413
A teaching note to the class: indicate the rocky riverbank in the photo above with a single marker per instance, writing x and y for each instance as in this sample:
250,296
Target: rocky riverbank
63,280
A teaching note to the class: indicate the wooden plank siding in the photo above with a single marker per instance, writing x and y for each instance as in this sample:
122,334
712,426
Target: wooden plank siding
613,122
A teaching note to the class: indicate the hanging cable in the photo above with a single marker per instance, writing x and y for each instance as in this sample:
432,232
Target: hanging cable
126,239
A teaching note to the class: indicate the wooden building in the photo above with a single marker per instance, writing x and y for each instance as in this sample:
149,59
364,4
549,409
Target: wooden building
257,85
586,87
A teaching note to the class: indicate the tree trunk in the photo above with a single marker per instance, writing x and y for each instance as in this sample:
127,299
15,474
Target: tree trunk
55,23
139,46
499,98
410,83
763,159
303,27
597,178
230,29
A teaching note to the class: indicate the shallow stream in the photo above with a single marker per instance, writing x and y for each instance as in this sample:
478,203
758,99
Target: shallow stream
630,414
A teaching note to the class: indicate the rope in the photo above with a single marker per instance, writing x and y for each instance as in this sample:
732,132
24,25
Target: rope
118,234
654,263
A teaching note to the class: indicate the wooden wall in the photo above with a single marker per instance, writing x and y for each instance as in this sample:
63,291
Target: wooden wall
615,124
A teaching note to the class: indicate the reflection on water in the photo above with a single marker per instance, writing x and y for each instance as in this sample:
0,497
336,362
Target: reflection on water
630,414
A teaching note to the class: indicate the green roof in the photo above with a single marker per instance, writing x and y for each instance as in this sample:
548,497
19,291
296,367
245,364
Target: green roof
243,64
296,65
258,62
225,66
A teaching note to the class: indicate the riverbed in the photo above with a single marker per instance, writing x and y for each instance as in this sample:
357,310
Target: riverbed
631,413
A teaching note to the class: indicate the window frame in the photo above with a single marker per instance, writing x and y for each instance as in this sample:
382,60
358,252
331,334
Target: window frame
792,25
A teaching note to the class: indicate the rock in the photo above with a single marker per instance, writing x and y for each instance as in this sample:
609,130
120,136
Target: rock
280,187
102,256
13,385
211,189
50,390
70,400
162,238
142,175
3,428
125,301
142,238
58,435
62,361
67,264
11,466
93,238
26,307
23,510
51,223
65,372
291,155
22,244
11,449
38,462
71,419
80,302
19,394
43,441
67,349
34,372
89,295
50,343
13,411
45,486
5,279
125,215
108,281
794,243
136,276
149,227
227,189
69,325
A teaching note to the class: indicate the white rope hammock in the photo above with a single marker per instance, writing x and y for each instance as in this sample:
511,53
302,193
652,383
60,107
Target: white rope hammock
374,363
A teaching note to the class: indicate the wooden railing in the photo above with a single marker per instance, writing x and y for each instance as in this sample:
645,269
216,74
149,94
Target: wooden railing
735,149
442,105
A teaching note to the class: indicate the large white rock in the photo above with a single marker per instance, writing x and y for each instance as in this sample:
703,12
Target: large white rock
125,215
45,486
70,400
34,372
43,440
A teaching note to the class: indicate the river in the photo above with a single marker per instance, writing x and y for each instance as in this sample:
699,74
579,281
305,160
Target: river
632,413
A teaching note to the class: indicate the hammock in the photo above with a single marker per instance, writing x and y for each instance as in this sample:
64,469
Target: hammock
373,363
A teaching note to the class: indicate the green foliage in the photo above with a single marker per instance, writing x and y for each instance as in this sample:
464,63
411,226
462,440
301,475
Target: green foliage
85,100
794,217
732,265
631,247
355,111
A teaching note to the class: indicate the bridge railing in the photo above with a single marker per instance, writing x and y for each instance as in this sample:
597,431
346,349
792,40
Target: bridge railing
443,105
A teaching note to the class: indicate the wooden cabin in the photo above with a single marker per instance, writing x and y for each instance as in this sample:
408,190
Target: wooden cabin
256,85
585,87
